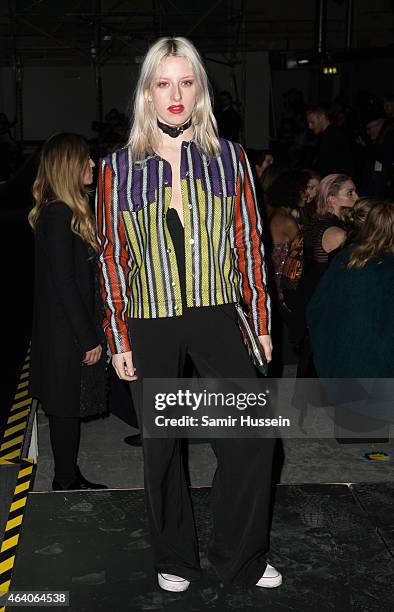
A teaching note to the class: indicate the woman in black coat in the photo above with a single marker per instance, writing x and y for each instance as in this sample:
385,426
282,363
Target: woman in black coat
65,338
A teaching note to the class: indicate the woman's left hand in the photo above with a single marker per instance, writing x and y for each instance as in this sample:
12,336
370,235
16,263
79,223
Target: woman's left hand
93,356
266,343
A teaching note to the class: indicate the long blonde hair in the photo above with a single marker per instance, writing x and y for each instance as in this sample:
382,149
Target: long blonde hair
145,135
375,236
63,163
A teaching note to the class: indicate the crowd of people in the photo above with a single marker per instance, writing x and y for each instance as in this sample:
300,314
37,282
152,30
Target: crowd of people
185,229
306,202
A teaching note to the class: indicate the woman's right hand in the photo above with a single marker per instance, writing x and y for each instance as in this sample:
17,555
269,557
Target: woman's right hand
92,356
123,364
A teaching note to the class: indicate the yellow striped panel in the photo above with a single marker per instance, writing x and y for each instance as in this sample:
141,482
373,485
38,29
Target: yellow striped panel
26,366
205,269
23,384
18,504
13,455
143,271
12,430
5,462
25,471
10,543
130,224
24,375
22,487
156,263
4,587
14,522
17,416
25,402
21,394
217,224
227,267
12,442
7,564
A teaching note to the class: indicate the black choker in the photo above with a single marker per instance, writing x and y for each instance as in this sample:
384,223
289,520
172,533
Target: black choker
174,131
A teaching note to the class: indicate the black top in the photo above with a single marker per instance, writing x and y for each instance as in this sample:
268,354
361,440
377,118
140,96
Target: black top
177,233
316,259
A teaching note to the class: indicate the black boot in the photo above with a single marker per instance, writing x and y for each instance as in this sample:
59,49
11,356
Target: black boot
80,483
134,440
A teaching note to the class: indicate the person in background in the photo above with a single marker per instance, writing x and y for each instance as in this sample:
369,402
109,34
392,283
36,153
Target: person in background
388,103
350,315
228,118
262,161
333,154
65,344
312,191
285,201
324,235
175,255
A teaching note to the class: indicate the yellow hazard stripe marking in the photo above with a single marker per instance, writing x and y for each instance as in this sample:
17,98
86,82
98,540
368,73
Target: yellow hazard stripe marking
23,384
13,455
14,429
10,543
25,472
21,394
22,487
24,375
25,402
11,442
18,504
7,564
16,417
5,586
14,522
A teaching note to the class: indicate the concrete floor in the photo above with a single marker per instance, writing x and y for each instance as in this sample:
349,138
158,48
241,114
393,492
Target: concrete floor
104,457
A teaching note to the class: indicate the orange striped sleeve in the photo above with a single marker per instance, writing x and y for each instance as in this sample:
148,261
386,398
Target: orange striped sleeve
250,249
113,261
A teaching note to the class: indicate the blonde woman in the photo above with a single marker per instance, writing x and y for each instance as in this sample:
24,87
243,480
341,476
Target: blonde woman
64,336
180,243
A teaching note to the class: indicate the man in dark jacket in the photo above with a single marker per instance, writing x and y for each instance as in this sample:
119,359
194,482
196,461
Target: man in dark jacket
333,153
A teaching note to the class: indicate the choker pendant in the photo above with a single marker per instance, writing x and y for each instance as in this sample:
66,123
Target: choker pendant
172,131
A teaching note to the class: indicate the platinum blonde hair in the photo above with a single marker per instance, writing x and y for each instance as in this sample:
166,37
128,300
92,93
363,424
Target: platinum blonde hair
145,135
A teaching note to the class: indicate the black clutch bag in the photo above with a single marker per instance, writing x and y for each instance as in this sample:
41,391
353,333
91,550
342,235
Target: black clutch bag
251,341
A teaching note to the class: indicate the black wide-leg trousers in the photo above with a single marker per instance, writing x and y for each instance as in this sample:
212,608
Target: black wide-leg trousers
241,489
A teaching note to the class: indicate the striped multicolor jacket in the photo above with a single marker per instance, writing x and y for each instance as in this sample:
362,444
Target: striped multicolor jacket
224,254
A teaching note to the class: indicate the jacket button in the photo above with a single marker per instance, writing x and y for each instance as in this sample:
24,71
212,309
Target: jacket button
191,240
176,307
173,283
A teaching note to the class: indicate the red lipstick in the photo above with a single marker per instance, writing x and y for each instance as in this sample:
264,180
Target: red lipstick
176,109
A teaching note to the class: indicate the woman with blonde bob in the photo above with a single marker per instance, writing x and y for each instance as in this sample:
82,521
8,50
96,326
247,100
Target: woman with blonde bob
351,316
64,335
180,243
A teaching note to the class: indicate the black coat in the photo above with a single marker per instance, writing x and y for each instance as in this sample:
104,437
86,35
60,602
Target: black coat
64,312
334,153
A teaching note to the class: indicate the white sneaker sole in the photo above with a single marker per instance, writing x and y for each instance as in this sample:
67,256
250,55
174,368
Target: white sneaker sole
175,585
269,583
